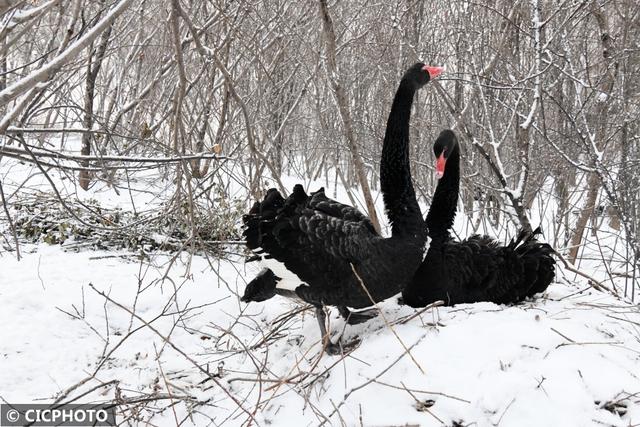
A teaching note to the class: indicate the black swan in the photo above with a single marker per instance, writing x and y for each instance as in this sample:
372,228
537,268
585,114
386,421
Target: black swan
478,268
312,244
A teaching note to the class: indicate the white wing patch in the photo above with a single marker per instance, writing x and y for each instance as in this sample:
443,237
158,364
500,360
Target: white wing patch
288,279
425,249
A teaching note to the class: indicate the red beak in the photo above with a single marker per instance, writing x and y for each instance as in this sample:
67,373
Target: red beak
433,71
440,163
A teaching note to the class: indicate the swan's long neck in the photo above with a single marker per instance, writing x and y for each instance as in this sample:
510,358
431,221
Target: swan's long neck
395,171
445,200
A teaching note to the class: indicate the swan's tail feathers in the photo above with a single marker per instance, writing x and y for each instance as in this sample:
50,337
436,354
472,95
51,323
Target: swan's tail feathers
542,253
272,232
513,244
268,207
260,219
531,266
524,238
262,287
539,264
298,195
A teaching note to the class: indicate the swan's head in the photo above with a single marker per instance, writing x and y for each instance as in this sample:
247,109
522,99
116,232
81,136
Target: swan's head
445,145
420,74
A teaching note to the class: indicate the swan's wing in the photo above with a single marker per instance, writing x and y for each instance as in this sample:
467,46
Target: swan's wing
326,236
502,274
472,264
537,257
321,203
339,229
304,237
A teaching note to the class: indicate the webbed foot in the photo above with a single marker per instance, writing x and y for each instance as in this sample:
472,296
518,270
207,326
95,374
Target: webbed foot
357,317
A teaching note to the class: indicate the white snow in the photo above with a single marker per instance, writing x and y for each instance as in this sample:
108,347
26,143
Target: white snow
542,363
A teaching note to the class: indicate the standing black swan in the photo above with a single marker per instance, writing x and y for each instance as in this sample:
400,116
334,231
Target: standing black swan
478,268
311,243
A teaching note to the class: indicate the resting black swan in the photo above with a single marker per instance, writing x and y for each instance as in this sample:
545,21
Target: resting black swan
478,268
311,243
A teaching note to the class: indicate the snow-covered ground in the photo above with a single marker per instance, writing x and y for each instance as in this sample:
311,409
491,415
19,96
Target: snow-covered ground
168,339
555,361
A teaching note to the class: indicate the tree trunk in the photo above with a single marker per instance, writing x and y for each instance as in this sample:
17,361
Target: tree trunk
609,73
345,114
93,68
593,185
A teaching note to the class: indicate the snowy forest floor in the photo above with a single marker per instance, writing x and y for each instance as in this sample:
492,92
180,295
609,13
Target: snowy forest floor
105,326
165,337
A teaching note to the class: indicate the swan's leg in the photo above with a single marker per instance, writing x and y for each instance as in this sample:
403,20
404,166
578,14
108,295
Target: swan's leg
354,318
331,348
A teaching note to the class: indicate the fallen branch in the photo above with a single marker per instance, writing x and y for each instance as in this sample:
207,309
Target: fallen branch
594,283
434,304
176,348
374,379
124,159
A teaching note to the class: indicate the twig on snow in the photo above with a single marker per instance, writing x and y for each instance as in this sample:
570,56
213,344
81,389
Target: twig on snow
374,379
385,319
176,348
